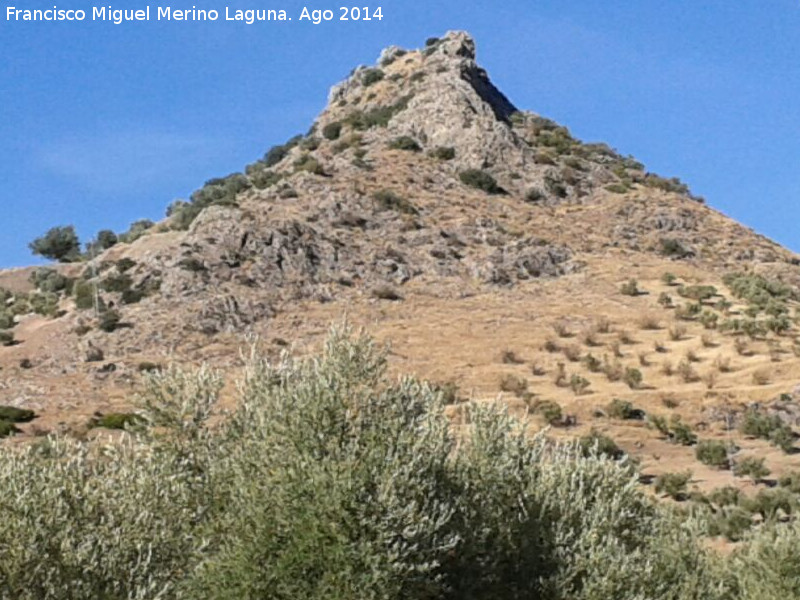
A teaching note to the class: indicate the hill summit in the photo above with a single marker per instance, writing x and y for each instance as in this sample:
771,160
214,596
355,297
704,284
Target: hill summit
500,256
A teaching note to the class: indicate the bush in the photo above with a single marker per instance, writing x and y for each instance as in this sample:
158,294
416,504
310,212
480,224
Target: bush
12,414
406,143
759,424
713,454
137,230
600,444
371,77
480,180
673,484
550,411
674,249
83,292
309,164
751,467
59,243
50,281
117,421
699,293
388,200
622,409
6,339
630,288
110,321
331,480
332,131
633,378
443,153
578,384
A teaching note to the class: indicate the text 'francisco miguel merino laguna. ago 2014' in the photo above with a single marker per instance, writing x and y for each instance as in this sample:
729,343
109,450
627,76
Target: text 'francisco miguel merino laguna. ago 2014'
167,13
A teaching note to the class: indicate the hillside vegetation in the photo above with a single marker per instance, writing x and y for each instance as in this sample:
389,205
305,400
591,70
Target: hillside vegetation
330,480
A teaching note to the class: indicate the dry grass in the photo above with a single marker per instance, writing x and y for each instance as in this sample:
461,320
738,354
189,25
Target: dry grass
722,364
572,352
602,325
590,337
644,359
562,329
710,379
762,376
677,332
708,341
692,356
686,372
659,347
667,368
649,322
509,357
742,346
625,337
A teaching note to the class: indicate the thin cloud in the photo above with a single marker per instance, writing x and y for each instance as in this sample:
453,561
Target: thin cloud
117,160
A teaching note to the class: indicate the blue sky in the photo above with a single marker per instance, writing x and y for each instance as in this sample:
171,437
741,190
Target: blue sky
106,124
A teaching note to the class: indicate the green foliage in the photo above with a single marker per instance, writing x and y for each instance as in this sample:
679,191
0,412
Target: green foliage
136,230
630,288
377,117
83,293
675,430
713,454
309,164
117,421
622,409
550,411
752,467
578,384
110,321
758,290
329,480
600,444
59,243
633,378
673,248
104,240
50,281
443,153
762,425
371,77
7,429
700,293
669,278
617,188
480,180
673,484
12,414
388,200
277,153
6,339
406,143
332,131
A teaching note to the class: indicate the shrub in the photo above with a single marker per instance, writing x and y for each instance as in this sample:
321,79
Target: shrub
309,164
674,248
12,414
751,467
713,454
117,421
385,292
59,243
535,195
139,228
388,200
332,131
669,278
514,385
377,117
50,281
601,444
443,153
699,293
578,384
630,288
6,339
550,411
7,429
665,300
758,424
480,180
83,293
633,378
622,409
371,77
673,484
332,480
406,143
109,321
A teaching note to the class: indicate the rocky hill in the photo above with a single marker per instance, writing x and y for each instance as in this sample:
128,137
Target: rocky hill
498,254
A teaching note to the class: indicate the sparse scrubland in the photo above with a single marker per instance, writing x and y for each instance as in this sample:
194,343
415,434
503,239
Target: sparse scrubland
330,480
